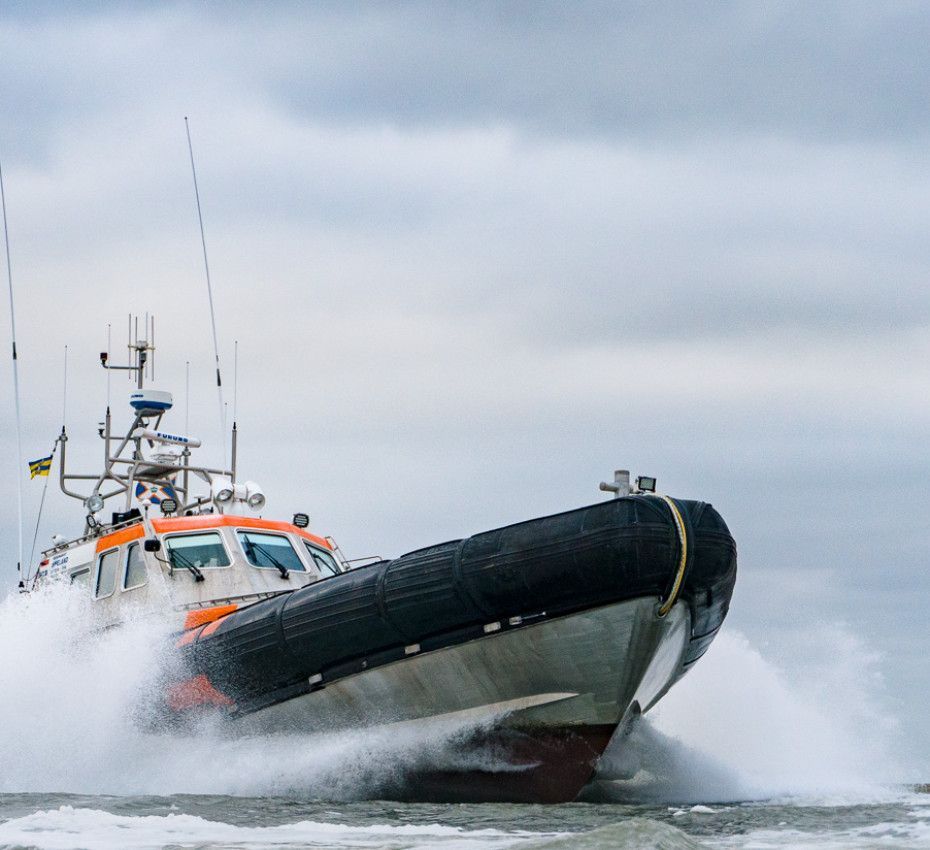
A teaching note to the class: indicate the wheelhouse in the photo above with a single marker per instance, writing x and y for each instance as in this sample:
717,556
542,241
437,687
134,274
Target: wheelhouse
195,562
182,536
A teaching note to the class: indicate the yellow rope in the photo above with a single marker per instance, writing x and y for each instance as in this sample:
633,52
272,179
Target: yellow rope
683,537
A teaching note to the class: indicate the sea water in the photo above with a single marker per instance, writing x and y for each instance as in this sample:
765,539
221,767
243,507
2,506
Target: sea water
220,821
738,755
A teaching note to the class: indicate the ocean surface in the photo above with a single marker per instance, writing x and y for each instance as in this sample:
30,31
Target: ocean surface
742,753
221,822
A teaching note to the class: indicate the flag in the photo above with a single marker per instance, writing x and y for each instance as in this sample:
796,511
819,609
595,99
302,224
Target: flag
42,466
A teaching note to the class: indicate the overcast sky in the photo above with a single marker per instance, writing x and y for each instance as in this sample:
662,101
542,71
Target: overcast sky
477,255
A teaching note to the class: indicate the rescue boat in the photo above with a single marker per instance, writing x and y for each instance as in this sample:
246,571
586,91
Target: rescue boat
538,643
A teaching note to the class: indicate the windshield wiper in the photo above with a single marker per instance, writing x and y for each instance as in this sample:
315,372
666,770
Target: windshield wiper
263,551
186,563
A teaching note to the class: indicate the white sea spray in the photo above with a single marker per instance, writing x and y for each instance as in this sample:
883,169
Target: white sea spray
73,701
739,726
74,708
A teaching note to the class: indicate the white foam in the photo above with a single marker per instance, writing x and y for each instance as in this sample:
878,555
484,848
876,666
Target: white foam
900,835
67,827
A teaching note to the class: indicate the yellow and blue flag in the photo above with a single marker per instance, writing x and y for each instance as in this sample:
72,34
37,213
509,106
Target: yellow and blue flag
42,466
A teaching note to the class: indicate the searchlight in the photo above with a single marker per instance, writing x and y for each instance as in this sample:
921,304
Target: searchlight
225,493
94,503
222,490
255,496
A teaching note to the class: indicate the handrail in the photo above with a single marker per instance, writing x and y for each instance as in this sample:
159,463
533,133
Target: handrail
100,531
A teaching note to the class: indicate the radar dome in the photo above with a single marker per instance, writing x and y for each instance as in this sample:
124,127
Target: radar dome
150,402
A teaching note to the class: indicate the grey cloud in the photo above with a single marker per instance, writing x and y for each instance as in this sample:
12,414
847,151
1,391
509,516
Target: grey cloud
639,71
635,70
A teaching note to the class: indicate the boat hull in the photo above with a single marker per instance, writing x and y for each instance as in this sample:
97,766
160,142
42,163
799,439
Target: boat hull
524,649
581,669
523,716
535,765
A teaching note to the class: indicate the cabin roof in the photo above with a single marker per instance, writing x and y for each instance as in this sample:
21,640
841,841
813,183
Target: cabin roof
203,522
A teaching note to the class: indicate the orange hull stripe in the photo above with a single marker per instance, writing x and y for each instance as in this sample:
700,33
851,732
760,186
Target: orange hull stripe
207,615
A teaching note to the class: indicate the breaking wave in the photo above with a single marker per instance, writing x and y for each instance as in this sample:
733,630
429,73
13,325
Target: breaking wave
101,830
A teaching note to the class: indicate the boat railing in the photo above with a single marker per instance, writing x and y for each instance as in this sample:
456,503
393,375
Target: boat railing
93,534
343,561
230,600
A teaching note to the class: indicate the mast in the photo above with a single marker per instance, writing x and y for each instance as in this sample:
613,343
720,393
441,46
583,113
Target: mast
124,461
134,456
19,427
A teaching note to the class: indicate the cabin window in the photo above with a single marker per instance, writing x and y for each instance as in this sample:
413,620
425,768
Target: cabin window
81,577
325,562
270,551
203,551
135,575
107,565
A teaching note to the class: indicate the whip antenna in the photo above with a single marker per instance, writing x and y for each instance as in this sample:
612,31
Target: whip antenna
109,344
19,428
235,379
235,430
64,394
206,267
60,438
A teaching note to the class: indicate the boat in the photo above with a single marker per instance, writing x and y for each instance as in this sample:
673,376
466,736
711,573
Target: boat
539,643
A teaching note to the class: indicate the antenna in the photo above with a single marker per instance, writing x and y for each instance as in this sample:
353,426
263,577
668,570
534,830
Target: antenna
109,343
148,338
235,379
187,397
59,439
235,430
139,351
19,427
206,268
64,392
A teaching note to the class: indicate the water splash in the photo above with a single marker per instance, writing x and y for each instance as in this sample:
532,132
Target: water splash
737,727
740,727
71,699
